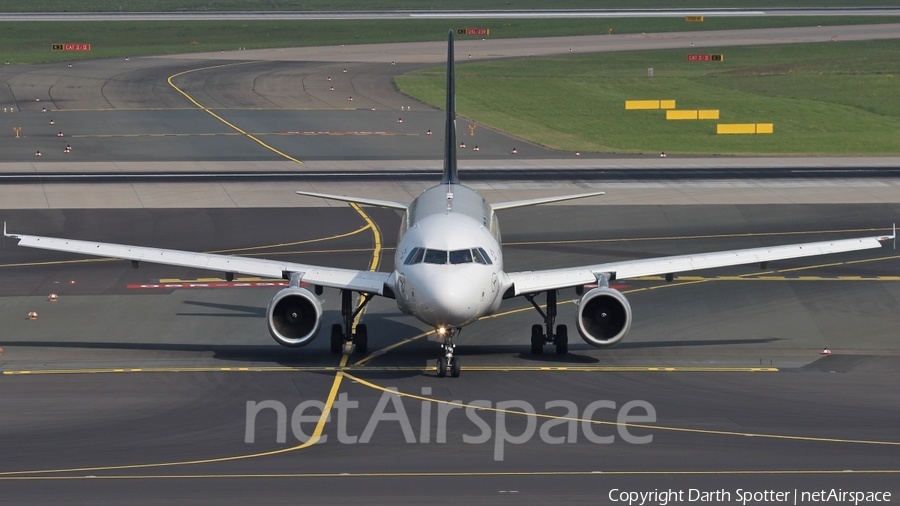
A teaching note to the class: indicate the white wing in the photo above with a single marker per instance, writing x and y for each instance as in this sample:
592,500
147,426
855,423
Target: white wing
357,200
362,281
537,281
546,200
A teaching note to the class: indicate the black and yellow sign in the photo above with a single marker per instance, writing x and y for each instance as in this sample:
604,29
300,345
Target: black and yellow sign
693,18
58,47
717,57
473,31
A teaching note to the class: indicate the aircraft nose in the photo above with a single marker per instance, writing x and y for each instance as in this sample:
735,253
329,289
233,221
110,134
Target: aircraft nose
454,301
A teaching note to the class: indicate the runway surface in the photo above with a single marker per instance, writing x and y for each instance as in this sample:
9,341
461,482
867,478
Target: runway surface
134,386
731,357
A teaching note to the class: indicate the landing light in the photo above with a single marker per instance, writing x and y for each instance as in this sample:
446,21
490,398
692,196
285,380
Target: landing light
441,331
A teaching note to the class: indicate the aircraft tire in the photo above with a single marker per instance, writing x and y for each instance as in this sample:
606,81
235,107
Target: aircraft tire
337,338
454,367
537,339
562,340
362,339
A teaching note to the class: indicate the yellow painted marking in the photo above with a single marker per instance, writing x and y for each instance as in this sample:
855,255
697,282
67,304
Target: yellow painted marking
215,280
631,425
753,277
376,234
460,474
376,255
386,349
223,120
314,438
668,285
311,252
871,260
295,243
688,237
358,366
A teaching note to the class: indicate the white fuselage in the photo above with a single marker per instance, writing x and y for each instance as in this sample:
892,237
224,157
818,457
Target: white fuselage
449,265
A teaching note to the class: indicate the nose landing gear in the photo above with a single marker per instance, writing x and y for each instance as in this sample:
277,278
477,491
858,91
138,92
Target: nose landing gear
448,363
344,333
539,337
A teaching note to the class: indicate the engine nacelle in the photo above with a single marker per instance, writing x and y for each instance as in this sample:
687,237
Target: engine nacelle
604,317
294,316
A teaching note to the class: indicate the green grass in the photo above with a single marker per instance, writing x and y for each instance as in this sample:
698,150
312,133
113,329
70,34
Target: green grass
828,98
30,42
313,5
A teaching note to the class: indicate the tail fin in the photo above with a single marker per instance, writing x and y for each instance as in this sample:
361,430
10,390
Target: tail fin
451,176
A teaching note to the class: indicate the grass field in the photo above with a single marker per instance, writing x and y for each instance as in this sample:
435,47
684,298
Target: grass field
30,42
828,98
336,5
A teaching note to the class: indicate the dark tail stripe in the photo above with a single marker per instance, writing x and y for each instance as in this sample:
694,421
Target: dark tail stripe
451,176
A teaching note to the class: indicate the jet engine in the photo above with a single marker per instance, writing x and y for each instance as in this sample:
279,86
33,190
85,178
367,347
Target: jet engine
294,316
604,317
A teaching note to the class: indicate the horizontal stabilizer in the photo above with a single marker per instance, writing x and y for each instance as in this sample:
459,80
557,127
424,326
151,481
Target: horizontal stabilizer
545,200
357,200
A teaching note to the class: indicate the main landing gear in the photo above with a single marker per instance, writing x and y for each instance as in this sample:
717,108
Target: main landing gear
448,363
344,333
538,335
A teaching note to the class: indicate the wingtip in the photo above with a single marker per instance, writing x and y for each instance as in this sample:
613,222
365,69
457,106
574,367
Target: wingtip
7,234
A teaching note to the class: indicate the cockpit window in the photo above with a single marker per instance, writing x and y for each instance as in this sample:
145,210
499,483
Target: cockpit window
441,257
484,258
461,256
435,256
415,256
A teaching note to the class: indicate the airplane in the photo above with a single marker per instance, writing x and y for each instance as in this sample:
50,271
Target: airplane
449,269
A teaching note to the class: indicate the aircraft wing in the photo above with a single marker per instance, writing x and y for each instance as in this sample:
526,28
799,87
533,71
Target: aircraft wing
546,200
362,281
537,281
357,200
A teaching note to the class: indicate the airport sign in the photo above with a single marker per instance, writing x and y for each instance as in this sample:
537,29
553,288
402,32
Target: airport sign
71,47
705,57
693,18
473,31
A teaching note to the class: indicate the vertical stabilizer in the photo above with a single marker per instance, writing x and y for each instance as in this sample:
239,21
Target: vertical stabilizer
450,173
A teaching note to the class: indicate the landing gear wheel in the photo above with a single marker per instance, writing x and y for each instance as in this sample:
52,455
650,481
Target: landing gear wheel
454,367
442,367
537,339
562,340
361,339
337,338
